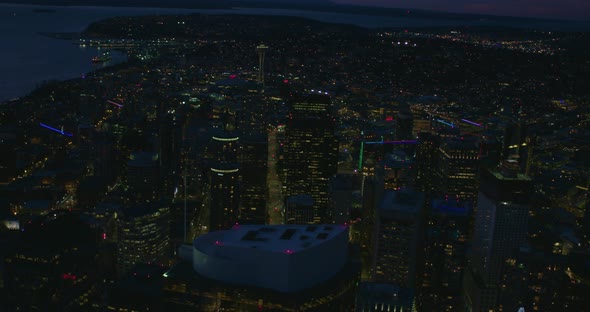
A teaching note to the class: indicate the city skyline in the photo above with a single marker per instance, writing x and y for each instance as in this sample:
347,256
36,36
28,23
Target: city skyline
273,163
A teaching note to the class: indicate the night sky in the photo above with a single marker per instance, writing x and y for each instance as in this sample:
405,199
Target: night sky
562,9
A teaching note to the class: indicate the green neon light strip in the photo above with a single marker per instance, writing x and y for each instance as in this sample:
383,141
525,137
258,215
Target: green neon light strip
361,155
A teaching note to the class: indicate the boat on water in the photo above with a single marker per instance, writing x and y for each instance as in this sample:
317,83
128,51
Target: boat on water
104,57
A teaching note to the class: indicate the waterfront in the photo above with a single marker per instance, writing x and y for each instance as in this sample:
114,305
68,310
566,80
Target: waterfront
30,58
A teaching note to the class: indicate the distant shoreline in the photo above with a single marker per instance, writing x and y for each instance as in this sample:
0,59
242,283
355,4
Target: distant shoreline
325,7
383,18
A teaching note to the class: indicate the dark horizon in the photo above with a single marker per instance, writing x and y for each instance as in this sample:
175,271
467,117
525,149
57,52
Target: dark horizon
424,8
547,9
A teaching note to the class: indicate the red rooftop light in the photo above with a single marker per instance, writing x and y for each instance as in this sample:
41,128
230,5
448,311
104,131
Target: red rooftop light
67,276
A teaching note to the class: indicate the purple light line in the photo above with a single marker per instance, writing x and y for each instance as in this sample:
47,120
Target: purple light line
56,130
114,103
393,142
401,142
472,123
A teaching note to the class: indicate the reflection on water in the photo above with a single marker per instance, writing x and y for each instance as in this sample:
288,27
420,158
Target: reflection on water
27,58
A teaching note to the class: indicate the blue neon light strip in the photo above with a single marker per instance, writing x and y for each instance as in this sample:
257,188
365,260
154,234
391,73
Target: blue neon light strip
393,142
471,122
56,130
446,123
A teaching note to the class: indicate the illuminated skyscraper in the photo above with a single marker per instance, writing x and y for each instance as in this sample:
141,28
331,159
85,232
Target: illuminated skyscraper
253,158
299,209
344,205
168,147
224,180
254,115
458,166
143,176
396,171
398,230
144,236
502,217
224,196
445,244
500,230
310,151
223,148
426,161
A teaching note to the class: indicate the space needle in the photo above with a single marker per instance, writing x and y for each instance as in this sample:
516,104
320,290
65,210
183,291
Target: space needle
261,49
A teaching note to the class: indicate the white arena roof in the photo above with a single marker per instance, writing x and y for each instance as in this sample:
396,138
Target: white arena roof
285,258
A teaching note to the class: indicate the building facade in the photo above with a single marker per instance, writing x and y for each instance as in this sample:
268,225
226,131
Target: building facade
310,154
500,230
144,236
398,235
